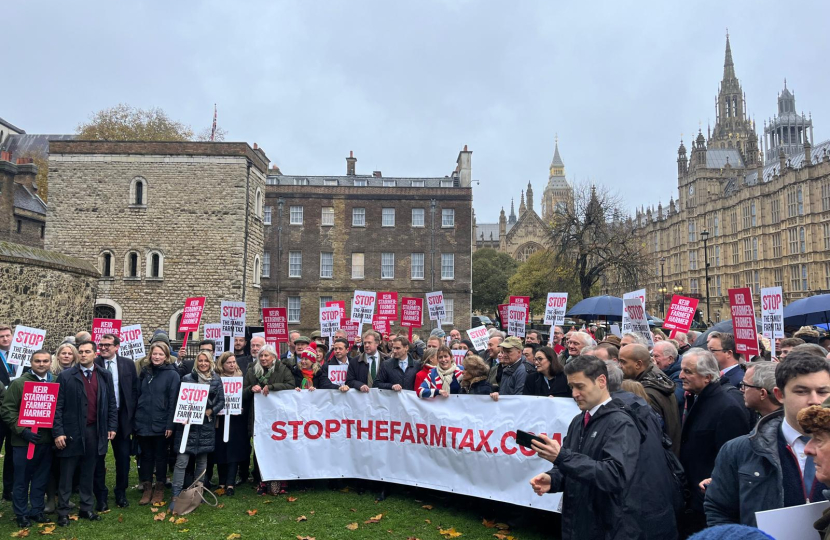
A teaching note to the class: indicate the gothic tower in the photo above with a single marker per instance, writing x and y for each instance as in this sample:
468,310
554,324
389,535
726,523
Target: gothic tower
732,127
788,130
558,191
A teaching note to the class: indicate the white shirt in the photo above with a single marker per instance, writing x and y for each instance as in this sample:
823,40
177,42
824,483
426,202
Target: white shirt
593,411
791,435
114,372
724,371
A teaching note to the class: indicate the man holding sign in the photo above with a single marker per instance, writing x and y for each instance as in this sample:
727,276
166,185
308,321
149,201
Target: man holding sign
30,473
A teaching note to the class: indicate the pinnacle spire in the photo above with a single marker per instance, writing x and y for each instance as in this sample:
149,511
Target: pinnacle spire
728,65
557,159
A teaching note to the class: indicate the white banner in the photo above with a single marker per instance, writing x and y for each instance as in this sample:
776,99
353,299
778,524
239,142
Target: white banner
466,442
232,318
132,342
555,308
435,304
363,306
637,321
516,317
641,294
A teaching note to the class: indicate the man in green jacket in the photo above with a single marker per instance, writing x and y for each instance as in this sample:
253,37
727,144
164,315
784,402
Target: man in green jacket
30,475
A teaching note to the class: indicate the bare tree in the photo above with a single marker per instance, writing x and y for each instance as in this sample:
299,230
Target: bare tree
591,238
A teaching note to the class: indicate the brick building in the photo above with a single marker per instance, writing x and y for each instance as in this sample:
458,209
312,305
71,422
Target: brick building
327,236
22,211
161,221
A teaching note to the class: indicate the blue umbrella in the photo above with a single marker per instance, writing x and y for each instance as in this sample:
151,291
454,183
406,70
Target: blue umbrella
808,311
608,308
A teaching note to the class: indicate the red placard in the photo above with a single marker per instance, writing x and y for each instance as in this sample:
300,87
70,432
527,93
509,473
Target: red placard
381,326
681,313
522,301
743,322
37,408
275,321
387,306
412,311
352,329
192,314
105,326
342,305
503,315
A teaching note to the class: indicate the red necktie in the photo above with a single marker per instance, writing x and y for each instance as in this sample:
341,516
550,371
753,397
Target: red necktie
586,419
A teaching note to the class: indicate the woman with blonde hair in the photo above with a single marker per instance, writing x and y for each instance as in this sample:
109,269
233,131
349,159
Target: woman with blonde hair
65,357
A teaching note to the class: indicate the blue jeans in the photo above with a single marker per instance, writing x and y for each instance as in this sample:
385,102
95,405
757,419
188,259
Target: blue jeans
30,478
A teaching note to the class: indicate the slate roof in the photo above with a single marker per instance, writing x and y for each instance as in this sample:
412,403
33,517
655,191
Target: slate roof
716,158
11,126
486,229
26,200
371,181
19,145
771,169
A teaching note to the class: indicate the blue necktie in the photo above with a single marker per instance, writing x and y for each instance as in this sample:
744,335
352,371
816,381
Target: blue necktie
88,373
809,469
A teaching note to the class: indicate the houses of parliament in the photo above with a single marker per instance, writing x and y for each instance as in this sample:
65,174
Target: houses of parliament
760,206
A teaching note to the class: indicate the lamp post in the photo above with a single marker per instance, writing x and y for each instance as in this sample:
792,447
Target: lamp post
705,236
662,290
678,288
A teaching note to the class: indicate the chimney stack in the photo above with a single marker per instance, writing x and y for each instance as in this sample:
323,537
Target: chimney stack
464,167
350,164
377,174
27,173
6,156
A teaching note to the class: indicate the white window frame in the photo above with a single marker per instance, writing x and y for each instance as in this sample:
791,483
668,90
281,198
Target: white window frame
266,264
422,216
387,217
362,266
414,266
449,311
448,265
295,215
327,216
387,263
148,274
295,266
359,213
267,215
360,182
294,309
418,183
326,271
389,183
445,214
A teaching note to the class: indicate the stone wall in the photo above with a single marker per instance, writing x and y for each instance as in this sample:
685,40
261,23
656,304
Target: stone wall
43,289
197,197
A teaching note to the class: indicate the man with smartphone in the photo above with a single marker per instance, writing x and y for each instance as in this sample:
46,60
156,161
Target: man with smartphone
594,466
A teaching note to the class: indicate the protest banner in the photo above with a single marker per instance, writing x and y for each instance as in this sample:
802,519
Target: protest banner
381,326
792,522
555,308
232,318
412,313
387,306
516,317
132,342
503,315
459,437
25,341
275,322
37,408
352,329
458,356
213,332
337,374
743,322
104,326
641,294
341,305
435,305
363,306
522,301
680,315
479,336
329,321
191,316
772,315
190,408
233,402
615,329
637,321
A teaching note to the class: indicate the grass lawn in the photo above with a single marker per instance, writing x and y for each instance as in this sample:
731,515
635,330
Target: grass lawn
318,512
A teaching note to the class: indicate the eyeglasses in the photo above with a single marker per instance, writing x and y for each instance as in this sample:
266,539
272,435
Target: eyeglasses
742,386
716,350
102,345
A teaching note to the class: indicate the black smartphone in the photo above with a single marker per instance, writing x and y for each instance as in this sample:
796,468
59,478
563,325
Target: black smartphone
523,438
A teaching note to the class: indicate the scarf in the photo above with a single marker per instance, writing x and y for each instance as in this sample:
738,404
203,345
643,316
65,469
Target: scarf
201,378
308,374
261,374
446,376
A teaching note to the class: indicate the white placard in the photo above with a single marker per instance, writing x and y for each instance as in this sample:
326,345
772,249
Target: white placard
516,316
337,374
793,522
615,329
191,404
458,356
233,395
459,436
435,304
772,312
637,321
641,294
363,306
479,336
132,342
232,318
329,321
25,341
214,333
555,308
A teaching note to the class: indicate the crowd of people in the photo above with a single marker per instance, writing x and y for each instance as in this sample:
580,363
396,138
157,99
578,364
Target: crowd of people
672,438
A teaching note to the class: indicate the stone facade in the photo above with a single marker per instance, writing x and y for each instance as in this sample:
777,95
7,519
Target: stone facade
162,221
765,225
22,212
43,289
324,224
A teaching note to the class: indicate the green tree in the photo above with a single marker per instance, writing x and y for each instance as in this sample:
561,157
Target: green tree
126,123
540,275
491,271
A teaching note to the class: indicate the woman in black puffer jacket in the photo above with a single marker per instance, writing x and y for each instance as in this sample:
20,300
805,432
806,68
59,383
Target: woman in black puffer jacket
158,389
202,437
474,380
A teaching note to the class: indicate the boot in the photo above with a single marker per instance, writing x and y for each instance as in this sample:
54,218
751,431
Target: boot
148,492
158,493
50,506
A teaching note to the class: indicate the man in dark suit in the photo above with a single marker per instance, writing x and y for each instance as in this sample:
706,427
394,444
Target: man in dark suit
86,418
125,383
6,372
364,369
722,345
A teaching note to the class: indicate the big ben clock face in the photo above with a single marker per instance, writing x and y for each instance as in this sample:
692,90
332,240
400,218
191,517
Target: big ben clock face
691,190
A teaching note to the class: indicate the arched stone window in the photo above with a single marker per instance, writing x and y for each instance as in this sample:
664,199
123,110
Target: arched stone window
257,271
138,192
106,264
155,264
106,309
132,265
526,251
258,204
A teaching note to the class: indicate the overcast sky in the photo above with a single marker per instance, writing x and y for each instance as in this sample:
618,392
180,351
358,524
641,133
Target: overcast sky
406,85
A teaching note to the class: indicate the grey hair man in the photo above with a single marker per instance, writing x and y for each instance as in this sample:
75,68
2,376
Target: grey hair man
632,338
757,386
